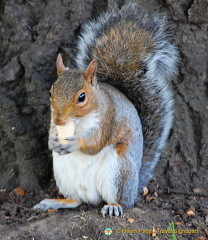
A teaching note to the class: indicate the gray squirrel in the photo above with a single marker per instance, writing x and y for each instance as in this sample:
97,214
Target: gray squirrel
111,116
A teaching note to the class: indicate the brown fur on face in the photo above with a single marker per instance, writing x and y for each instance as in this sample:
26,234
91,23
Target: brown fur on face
65,93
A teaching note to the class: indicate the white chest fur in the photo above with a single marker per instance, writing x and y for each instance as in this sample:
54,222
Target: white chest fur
90,178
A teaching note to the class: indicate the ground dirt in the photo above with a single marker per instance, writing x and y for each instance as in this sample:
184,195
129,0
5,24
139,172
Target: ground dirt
156,211
32,33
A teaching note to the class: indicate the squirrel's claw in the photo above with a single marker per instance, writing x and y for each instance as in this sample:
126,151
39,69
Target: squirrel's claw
112,210
70,139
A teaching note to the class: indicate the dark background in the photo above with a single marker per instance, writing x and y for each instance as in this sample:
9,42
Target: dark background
33,32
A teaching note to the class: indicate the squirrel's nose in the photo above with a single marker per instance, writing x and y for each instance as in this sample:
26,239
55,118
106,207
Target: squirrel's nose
58,121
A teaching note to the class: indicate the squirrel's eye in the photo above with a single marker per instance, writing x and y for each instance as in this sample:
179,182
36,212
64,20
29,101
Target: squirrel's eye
81,97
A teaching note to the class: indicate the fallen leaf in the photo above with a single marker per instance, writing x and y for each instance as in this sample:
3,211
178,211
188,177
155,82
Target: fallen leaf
52,210
178,223
197,190
145,191
19,191
150,199
85,237
154,232
190,212
31,229
130,220
122,225
201,238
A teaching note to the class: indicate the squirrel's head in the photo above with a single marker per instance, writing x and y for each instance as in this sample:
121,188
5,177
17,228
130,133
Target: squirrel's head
74,92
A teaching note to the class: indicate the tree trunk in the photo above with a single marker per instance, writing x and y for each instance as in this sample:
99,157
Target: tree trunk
34,32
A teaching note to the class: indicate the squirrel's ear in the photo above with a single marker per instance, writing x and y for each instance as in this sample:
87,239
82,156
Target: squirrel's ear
90,73
59,64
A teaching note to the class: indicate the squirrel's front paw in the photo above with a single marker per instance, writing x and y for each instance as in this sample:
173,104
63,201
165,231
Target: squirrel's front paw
66,148
112,210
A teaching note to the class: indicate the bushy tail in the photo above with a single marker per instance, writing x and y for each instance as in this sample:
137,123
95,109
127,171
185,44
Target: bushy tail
135,54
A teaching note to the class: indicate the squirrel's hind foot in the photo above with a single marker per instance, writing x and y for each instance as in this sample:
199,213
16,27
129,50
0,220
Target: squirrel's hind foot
56,204
112,210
